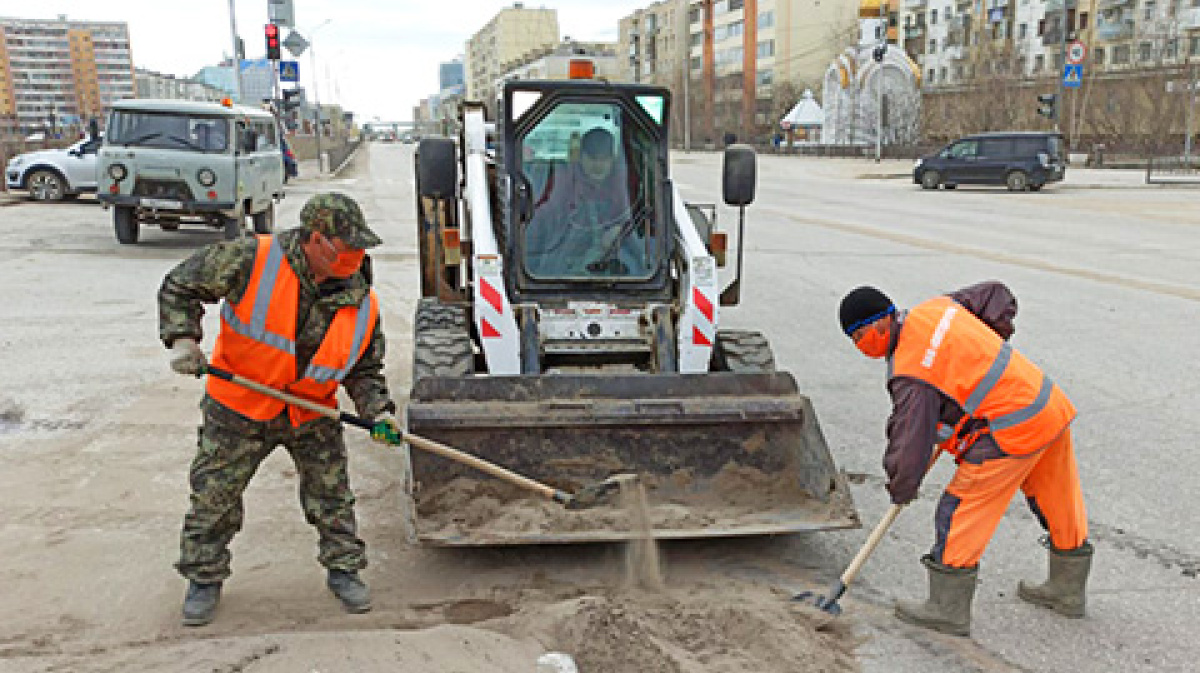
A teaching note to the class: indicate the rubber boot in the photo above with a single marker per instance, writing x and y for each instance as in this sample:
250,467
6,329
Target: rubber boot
200,604
346,585
948,608
1064,590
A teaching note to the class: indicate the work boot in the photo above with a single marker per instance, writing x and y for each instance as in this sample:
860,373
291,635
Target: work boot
1063,591
948,608
346,585
200,603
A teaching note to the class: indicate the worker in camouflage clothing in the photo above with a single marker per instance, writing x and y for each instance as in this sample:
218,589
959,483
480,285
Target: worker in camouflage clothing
297,314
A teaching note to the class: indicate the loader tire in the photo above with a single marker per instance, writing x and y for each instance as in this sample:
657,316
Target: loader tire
433,314
742,351
442,352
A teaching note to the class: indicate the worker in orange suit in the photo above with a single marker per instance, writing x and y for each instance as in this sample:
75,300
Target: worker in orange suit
956,382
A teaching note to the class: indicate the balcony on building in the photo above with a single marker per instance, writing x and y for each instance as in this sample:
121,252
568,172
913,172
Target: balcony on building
915,4
1057,5
1119,29
1102,5
1189,18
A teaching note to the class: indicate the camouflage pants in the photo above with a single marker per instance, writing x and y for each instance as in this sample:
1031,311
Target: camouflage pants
229,453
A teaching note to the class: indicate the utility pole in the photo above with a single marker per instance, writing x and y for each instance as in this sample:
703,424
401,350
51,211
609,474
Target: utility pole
879,54
686,71
237,57
1187,127
1062,78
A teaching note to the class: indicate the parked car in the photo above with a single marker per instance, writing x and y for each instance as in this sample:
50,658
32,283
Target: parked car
57,174
169,162
291,168
1021,161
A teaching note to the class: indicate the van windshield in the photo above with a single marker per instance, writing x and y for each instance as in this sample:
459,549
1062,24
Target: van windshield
166,130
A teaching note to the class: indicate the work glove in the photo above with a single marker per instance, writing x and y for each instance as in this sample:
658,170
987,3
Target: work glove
387,429
187,358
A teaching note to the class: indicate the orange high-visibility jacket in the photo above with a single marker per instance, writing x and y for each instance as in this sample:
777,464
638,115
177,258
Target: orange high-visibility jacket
258,341
946,346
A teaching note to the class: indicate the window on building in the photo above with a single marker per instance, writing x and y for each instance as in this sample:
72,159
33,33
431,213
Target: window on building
931,78
1022,30
1120,54
766,48
1150,10
1171,50
735,5
1098,57
1039,63
943,75
1058,61
764,77
933,46
1144,51
1083,20
933,17
1041,27
766,19
1194,46
694,14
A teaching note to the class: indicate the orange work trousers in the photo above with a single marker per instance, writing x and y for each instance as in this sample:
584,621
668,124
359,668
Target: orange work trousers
977,496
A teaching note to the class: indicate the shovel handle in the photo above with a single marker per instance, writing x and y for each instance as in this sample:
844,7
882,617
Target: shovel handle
423,443
869,546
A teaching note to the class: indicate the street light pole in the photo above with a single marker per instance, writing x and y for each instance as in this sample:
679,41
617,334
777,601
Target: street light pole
312,54
237,58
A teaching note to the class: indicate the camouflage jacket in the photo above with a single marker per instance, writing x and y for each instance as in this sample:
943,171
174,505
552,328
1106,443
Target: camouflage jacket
222,271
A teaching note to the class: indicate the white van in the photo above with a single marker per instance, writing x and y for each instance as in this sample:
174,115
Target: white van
168,162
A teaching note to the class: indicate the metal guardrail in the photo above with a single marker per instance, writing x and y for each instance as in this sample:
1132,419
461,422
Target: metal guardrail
1173,170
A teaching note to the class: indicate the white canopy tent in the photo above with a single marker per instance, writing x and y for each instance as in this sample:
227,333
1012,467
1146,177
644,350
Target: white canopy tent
805,114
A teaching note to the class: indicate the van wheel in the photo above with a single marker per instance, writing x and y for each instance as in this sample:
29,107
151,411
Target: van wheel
930,179
1036,188
126,225
264,222
1017,181
234,227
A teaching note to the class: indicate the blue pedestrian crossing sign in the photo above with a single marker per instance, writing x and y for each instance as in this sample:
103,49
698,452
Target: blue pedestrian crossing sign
1073,76
289,71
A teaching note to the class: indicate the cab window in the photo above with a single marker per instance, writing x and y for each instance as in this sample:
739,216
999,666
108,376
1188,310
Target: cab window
590,169
167,130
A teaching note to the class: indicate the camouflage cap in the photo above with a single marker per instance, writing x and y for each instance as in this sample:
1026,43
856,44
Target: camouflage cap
337,215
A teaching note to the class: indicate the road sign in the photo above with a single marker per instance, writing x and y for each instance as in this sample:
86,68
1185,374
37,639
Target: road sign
1073,76
281,13
295,43
289,71
1076,52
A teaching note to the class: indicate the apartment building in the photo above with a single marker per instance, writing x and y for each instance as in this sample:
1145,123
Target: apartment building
512,33
955,41
152,84
652,44
554,62
61,73
746,56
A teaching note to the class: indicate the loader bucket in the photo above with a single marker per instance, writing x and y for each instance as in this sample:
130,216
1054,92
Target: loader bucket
720,454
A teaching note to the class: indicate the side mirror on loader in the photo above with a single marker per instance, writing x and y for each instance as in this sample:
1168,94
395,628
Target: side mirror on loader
738,175
437,168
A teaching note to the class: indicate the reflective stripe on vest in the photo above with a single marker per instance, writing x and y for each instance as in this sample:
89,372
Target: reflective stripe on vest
361,325
257,327
981,365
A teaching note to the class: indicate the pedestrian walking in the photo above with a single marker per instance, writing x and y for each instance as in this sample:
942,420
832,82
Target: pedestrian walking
955,381
297,314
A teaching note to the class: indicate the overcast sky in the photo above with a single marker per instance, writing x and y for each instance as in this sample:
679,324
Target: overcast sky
376,57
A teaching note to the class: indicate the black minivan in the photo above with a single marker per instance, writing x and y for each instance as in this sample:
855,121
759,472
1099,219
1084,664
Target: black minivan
1026,160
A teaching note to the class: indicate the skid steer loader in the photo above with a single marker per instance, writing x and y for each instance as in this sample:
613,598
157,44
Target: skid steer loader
568,330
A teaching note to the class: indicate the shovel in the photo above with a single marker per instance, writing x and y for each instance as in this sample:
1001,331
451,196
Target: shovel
588,496
829,603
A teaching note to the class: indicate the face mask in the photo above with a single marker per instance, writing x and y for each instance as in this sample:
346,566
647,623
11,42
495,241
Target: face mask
347,263
874,342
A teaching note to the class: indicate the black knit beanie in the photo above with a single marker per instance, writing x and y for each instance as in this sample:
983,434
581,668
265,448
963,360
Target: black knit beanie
863,306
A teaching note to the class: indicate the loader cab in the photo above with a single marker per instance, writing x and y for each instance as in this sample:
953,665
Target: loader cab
589,207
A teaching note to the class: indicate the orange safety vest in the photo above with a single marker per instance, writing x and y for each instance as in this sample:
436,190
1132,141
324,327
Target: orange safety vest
258,341
946,346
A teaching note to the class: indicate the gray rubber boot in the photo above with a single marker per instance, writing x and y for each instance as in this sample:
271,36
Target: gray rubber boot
200,604
346,585
948,608
1065,589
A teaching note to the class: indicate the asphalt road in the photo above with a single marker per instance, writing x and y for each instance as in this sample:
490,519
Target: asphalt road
1107,273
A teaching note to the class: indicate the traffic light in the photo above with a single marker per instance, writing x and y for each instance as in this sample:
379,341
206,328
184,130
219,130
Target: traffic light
1048,105
272,42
